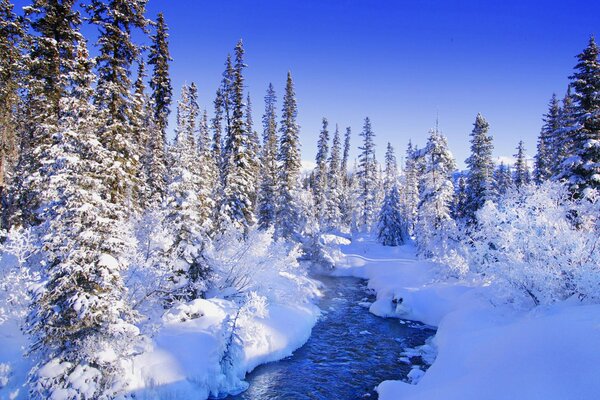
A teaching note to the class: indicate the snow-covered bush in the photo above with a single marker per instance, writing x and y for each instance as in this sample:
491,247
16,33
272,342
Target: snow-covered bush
257,263
541,242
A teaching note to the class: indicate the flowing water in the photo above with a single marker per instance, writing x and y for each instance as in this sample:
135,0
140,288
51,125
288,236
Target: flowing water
349,352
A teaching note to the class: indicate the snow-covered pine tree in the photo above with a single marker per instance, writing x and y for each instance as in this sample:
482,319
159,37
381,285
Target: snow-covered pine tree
209,172
217,130
582,169
392,230
115,20
319,185
502,180
460,196
11,34
367,180
253,149
391,168
547,150
346,195
434,226
162,93
335,182
188,205
80,321
50,58
267,194
480,169
239,184
142,119
288,208
226,97
521,175
410,200
162,90
563,137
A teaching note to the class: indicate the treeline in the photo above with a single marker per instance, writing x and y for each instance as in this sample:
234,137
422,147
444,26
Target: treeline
87,172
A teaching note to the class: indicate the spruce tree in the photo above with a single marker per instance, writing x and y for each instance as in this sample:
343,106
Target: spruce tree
481,169
434,225
115,20
367,180
392,230
346,195
319,186
11,35
188,206
335,182
564,136
51,59
548,147
267,194
162,91
288,210
217,129
521,174
81,314
582,169
239,189
253,148
502,180
411,187
391,168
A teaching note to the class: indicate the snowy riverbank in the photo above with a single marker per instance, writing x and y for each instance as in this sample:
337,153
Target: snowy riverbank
486,348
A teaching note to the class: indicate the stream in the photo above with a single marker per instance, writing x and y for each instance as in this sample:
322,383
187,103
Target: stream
350,351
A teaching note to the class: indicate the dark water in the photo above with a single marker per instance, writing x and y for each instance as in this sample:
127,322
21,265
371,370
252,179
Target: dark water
349,352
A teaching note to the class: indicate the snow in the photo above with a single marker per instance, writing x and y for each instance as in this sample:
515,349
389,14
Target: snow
485,348
184,361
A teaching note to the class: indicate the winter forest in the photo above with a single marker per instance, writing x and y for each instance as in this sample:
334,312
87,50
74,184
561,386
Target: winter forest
139,265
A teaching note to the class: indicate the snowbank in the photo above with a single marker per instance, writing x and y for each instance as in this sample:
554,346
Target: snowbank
185,360
486,349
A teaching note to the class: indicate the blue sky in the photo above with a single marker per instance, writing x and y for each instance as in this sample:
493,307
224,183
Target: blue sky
399,62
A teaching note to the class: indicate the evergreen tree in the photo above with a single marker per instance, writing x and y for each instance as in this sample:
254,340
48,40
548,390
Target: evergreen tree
189,205
239,184
345,199
563,137
411,187
115,20
162,91
217,128
502,180
142,119
11,35
253,149
391,168
367,180
521,174
81,314
51,59
335,182
288,210
435,226
319,187
267,195
481,169
392,230
582,169
547,150
460,197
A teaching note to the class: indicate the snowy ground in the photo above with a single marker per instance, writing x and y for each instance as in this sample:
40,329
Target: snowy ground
486,349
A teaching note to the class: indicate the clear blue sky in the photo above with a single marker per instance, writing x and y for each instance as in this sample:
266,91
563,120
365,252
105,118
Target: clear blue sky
399,62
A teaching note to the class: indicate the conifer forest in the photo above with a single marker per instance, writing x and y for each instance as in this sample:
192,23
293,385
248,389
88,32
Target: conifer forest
157,246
